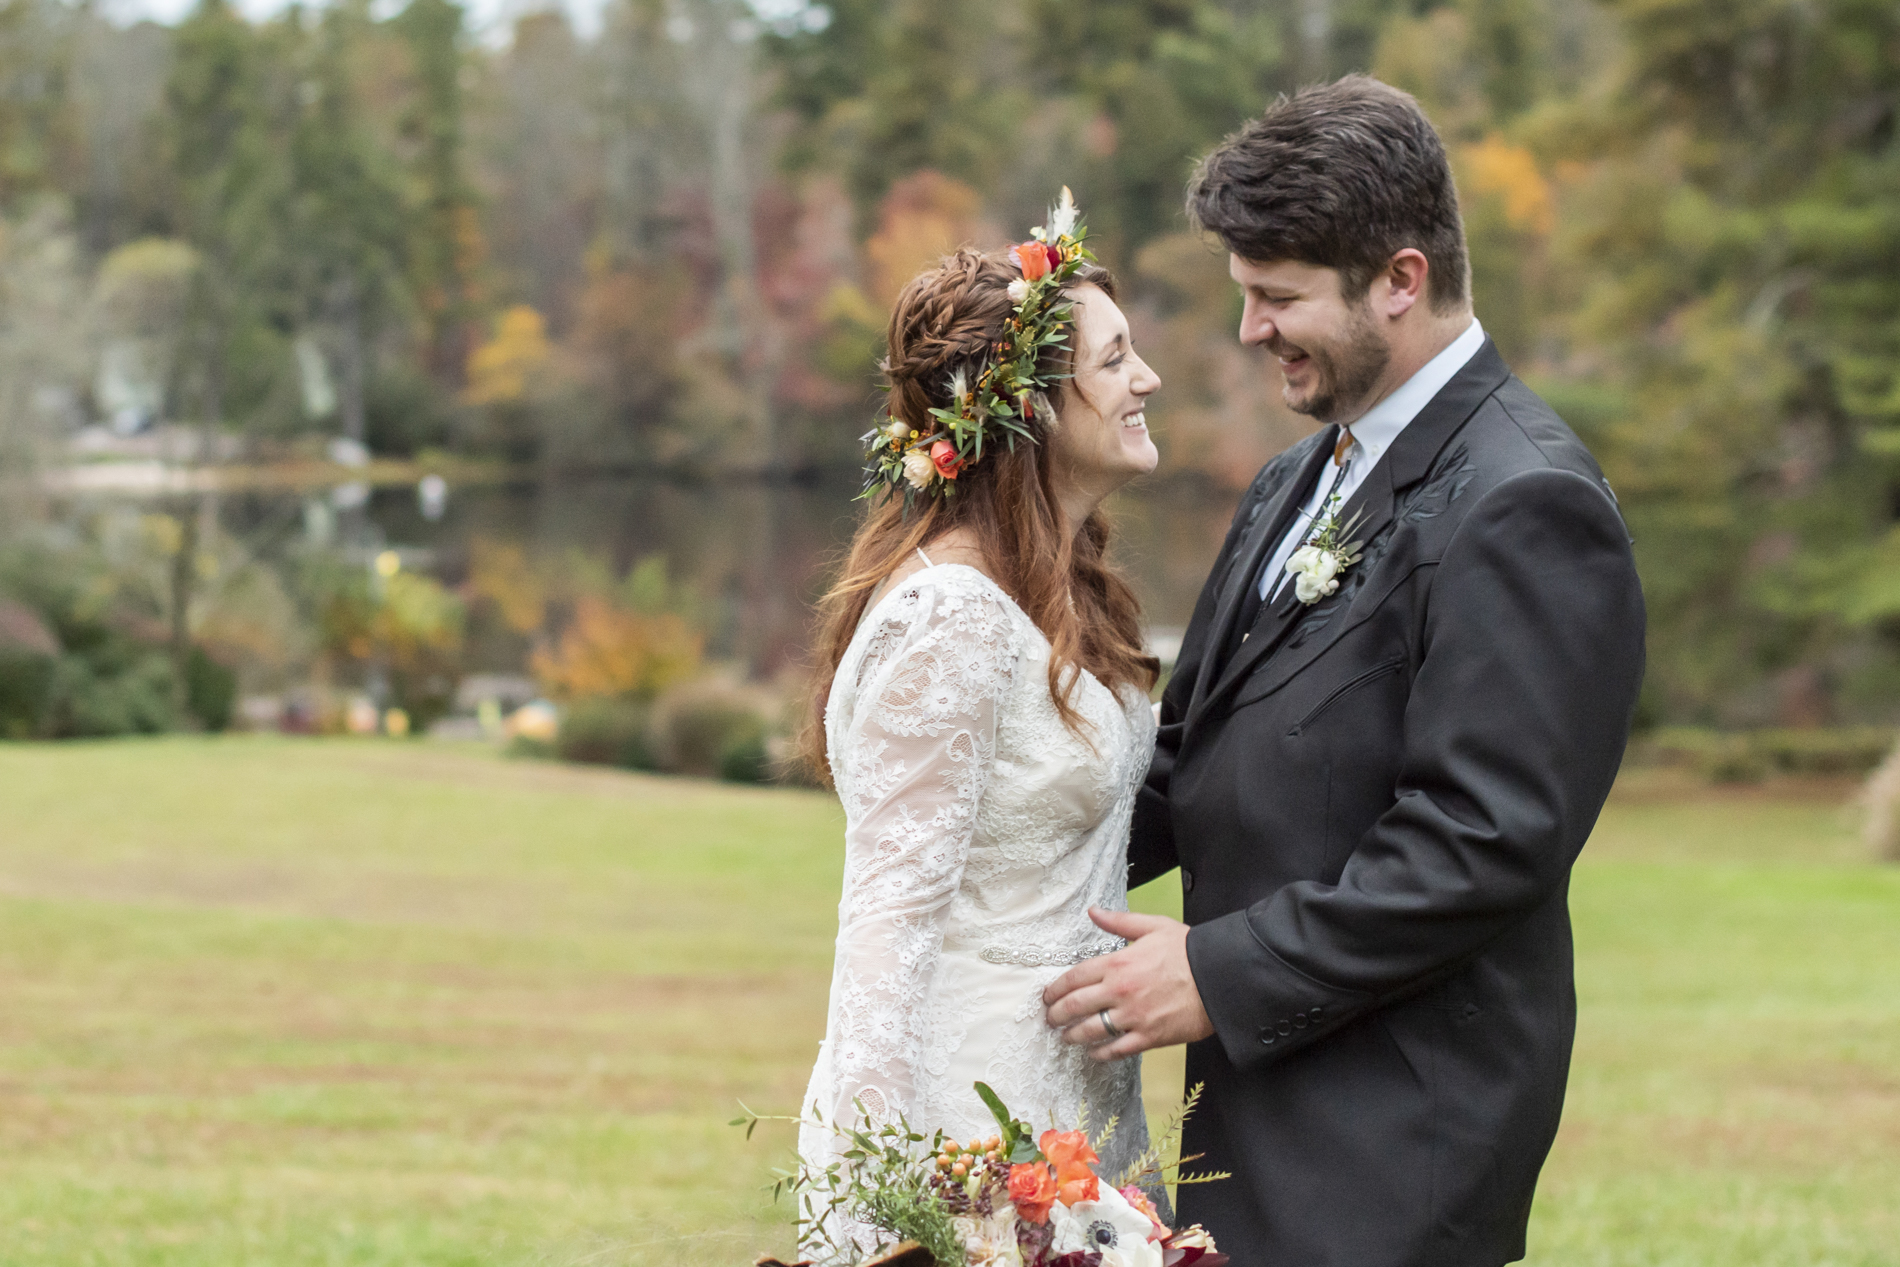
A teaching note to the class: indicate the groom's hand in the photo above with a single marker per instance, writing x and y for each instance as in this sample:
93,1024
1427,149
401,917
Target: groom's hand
1147,989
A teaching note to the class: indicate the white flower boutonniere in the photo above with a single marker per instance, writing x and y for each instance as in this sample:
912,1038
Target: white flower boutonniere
1316,566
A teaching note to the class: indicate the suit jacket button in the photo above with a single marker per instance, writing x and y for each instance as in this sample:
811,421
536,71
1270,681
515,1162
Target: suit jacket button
1266,1035
1299,1021
1187,880
1285,1027
1317,1012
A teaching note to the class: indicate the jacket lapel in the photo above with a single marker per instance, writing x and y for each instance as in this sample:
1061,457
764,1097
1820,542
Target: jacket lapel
1249,556
1372,504
1376,501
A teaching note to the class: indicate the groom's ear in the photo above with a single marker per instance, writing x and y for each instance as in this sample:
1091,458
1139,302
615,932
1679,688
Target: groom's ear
1401,287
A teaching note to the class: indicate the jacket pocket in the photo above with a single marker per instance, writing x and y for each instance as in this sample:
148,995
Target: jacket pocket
1346,688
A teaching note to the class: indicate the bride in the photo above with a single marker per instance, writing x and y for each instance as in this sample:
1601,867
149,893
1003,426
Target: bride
982,704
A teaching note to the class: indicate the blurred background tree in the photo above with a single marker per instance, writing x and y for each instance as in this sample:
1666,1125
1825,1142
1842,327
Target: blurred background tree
668,245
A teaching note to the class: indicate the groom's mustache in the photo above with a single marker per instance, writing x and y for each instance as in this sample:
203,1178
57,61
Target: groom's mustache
1282,349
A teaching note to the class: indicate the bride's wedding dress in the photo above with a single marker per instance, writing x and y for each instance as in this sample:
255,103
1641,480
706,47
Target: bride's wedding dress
979,830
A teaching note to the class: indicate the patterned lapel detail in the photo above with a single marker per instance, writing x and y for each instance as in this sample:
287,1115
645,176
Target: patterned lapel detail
1417,479
1443,485
1272,513
1372,503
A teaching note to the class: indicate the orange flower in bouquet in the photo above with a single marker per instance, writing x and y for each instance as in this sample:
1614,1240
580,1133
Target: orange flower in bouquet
1072,1159
1032,1190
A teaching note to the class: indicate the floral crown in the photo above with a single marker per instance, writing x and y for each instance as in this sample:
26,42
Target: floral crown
992,401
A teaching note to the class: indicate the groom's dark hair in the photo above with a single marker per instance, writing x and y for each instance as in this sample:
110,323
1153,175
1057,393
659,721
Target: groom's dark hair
1341,175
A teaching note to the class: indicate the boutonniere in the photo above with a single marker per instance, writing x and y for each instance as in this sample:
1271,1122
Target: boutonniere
1316,566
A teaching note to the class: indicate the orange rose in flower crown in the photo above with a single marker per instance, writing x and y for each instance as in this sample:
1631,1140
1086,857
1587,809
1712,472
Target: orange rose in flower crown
1033,260
943,456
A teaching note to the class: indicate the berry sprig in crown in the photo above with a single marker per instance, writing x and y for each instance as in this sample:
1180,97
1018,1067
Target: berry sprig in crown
992,402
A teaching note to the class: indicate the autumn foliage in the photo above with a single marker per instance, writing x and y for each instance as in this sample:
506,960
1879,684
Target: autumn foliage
610,652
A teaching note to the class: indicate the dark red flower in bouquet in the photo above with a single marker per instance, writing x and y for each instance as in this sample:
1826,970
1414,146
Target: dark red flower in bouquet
943,455
1032,1190
1055,256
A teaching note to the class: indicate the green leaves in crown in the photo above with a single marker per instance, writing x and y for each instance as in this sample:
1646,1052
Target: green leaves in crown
996,405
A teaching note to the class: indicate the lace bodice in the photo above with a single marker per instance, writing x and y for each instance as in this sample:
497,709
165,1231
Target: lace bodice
979,830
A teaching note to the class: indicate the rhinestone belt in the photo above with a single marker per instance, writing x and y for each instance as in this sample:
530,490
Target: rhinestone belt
1046,958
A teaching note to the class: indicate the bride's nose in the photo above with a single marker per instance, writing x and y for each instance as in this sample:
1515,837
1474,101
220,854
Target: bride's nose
1145,382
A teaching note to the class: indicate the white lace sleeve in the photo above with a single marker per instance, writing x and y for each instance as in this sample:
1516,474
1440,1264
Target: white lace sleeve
912,757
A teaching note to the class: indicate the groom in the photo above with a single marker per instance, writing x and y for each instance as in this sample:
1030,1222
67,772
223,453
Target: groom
1375,772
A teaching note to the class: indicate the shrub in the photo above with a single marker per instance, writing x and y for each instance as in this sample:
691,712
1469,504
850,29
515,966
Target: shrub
713,730
211,691
745,757
93,700
1748,756
607,732
26,681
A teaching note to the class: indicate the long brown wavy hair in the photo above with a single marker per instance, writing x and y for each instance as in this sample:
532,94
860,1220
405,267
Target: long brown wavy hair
1061,579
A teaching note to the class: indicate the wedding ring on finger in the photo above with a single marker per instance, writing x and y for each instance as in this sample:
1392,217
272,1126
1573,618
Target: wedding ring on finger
1108,1026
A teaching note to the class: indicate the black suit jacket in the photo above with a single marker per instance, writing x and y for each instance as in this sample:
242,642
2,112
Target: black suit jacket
1375,803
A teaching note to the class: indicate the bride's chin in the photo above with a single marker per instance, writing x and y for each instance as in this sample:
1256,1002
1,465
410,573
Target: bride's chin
1141,452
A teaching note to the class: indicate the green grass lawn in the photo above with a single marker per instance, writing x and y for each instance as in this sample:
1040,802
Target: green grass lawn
329,1002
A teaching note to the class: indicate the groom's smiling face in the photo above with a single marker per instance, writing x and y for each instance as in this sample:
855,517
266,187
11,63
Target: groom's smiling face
1330,347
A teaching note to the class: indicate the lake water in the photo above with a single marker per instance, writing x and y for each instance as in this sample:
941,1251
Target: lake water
757,553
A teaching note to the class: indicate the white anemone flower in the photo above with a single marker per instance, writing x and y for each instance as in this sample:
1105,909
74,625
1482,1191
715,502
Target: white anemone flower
1063,215
919,470
1018,291
1108,1225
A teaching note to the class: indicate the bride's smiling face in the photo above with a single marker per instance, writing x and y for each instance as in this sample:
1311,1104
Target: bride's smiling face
1100,439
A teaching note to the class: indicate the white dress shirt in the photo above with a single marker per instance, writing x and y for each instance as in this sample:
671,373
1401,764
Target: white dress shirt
1372,435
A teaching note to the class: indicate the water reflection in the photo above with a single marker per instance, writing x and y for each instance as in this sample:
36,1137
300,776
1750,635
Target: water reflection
757,553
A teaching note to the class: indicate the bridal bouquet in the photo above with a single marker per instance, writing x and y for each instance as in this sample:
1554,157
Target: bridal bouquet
1012,1199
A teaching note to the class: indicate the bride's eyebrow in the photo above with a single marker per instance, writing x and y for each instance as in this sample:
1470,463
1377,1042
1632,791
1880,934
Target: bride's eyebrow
1114,344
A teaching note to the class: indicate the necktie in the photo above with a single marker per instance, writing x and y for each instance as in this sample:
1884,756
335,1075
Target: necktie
1253,604
1343,461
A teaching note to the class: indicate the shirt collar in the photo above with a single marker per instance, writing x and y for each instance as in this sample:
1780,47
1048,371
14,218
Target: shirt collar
1382,423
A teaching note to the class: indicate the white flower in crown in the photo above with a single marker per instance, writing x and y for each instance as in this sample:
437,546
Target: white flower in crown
918,468
1315,566
1018,291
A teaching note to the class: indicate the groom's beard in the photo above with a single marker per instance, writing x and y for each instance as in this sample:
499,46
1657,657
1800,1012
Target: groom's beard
1344,370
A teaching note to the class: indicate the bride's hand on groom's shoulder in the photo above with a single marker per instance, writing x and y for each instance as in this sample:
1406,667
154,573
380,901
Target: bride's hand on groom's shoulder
1146,990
